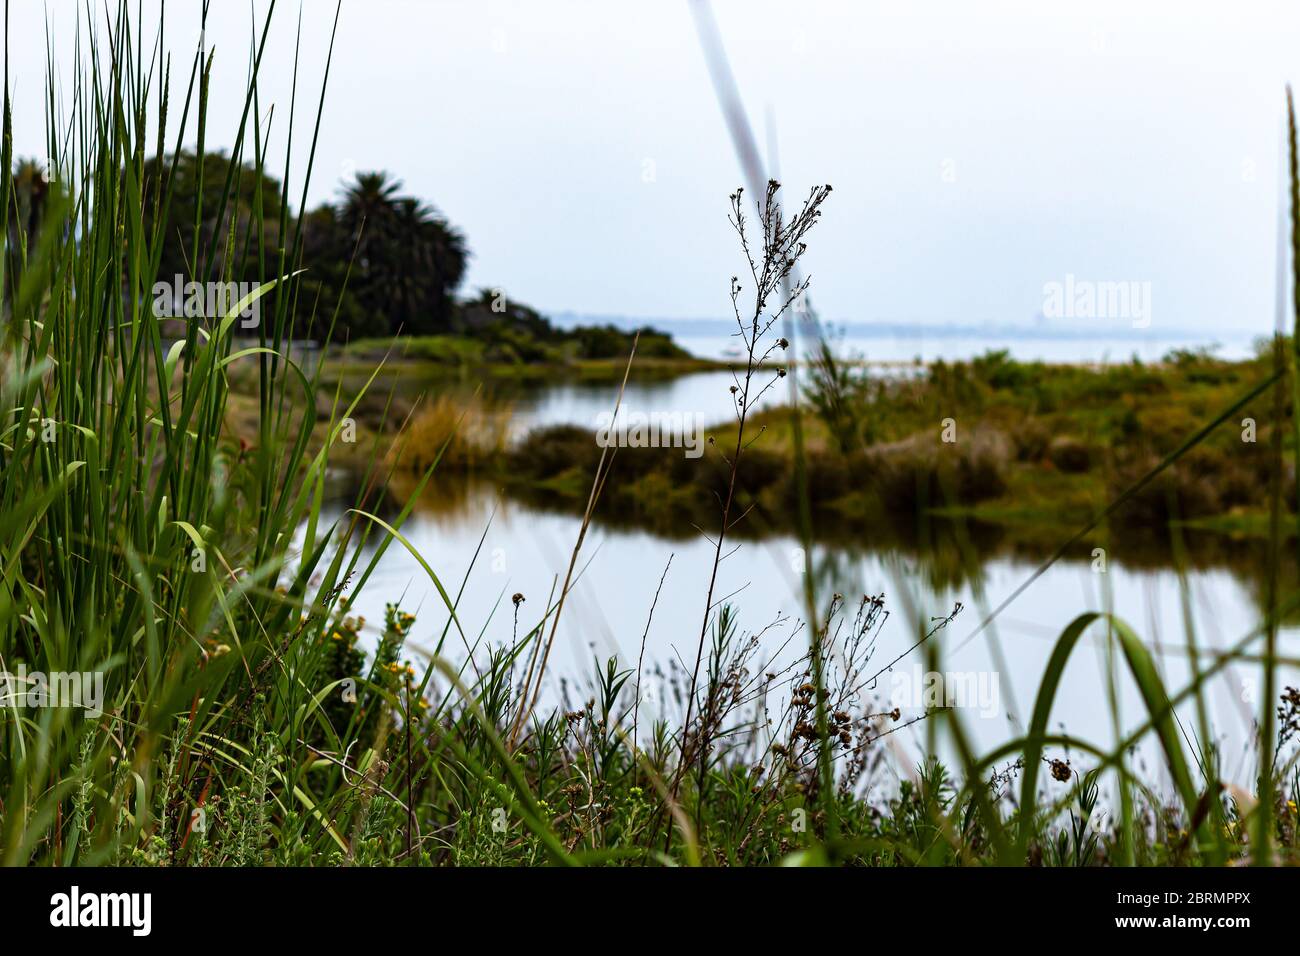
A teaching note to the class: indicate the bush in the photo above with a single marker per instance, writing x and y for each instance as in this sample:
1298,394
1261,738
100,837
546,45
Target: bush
921,472
548,452
464,432
1031,440
1070,455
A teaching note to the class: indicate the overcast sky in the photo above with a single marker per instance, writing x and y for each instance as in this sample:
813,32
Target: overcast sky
978,150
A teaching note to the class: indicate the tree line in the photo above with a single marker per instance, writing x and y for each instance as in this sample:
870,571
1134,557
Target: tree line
377,262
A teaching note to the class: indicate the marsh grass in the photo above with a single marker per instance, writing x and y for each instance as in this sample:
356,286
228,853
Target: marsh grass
248,721
455,431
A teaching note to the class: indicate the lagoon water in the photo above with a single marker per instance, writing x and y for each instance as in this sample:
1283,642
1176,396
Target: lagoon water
525,550
581,403
521,548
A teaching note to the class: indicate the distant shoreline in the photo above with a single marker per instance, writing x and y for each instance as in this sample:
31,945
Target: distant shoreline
1047,330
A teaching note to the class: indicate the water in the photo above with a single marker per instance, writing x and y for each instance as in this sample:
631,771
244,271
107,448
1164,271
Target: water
526,550
704,394
701,396
899,343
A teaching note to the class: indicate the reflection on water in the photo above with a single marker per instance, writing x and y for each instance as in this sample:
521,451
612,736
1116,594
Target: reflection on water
522,548
700,395
704,395
924,570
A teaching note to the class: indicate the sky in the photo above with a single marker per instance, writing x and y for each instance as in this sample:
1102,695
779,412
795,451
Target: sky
979,153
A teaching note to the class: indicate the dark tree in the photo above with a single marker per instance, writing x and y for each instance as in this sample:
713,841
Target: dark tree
253,204
409,260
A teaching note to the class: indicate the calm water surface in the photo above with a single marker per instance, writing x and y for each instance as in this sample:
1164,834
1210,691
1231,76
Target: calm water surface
523,549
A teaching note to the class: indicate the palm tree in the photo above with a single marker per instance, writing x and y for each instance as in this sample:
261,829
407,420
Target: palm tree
409,260
367,210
